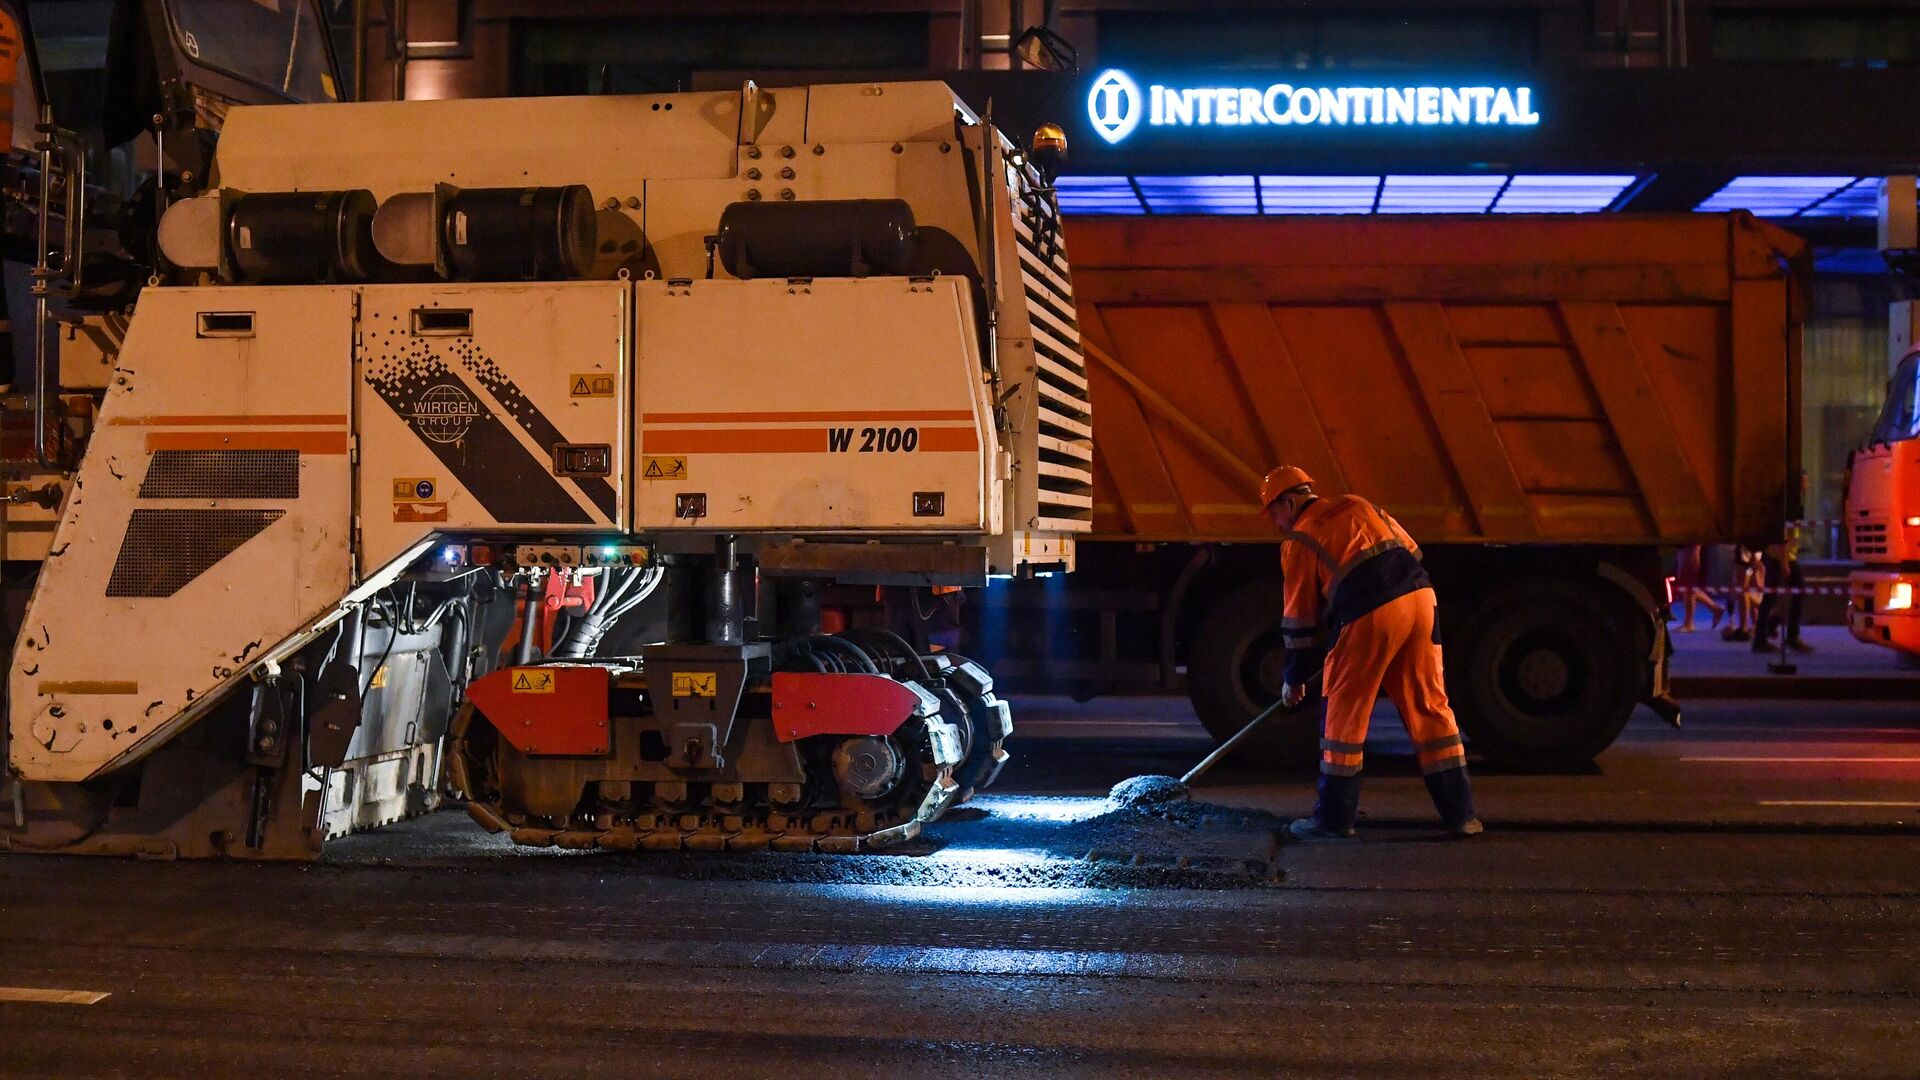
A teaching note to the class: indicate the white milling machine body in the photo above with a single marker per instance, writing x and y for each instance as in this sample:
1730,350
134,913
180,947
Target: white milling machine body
433,384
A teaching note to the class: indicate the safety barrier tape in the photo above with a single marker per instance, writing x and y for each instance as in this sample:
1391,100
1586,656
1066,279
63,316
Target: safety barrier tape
1781,590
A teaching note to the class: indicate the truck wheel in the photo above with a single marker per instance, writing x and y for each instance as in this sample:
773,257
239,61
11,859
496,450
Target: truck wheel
1233,672
1546,673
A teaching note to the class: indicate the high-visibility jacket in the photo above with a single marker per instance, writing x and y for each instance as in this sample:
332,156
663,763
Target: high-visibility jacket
1342,558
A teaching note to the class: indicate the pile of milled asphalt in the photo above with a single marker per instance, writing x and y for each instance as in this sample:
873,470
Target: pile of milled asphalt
1177,845
995,842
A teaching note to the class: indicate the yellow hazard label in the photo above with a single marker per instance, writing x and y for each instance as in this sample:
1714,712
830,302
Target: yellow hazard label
415,488
532,681
590,385
664,468
379,678
696,684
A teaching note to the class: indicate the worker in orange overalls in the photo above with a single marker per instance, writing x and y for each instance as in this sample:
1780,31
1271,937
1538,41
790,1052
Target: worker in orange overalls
1354,581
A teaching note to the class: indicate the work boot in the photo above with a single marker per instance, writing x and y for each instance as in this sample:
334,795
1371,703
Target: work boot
1308,830
1453,797
1336,804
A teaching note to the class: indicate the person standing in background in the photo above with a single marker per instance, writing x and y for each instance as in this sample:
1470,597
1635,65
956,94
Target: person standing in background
1686,582
1782,568
1749,576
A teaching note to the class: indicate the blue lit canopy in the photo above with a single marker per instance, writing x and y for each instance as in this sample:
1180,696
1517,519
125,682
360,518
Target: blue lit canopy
1837,198
1797,196
1475,193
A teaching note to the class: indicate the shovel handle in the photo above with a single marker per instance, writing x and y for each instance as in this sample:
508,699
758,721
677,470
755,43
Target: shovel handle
1240,736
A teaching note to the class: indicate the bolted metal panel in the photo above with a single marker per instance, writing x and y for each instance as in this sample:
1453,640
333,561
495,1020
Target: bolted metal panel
222,474
166,549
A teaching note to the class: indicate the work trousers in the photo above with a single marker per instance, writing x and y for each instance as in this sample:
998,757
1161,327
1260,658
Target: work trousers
1767,619
1395,648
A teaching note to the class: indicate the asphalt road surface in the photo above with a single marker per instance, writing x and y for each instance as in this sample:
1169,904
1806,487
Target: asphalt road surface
1740,900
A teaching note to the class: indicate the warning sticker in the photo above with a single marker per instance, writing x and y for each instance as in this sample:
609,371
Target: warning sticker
696,684
590,385
379,678
655,467
532,681
420,511
414,488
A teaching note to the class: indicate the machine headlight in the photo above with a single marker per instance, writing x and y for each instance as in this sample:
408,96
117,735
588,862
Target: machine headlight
1899,596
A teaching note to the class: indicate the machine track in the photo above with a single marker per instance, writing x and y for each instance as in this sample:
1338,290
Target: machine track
939,761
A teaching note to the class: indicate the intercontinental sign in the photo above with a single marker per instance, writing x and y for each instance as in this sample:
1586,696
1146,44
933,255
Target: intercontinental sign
1117,105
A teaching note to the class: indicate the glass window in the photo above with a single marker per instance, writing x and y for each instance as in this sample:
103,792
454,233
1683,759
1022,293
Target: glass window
1854,38
279,45
1899,418
1268,42
657,56
70,40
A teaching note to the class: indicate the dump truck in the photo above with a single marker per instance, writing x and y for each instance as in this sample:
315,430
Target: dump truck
425,401
1547,403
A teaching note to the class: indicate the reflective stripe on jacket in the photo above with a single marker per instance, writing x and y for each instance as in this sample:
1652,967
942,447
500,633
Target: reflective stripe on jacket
1343,557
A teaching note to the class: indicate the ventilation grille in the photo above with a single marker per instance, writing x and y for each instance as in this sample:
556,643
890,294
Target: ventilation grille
1065,473
166,549
222,474
1869,539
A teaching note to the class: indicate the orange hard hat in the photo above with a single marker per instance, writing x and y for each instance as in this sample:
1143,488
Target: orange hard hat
1280,481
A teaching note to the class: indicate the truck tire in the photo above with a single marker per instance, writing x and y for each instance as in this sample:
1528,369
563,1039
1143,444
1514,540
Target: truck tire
1546,672
1233,672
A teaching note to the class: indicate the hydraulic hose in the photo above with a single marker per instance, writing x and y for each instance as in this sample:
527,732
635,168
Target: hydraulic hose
895,642
848,649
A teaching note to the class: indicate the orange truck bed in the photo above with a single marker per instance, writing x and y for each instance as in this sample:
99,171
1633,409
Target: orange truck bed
1612,379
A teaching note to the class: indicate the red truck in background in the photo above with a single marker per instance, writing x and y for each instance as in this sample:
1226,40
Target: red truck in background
1883,518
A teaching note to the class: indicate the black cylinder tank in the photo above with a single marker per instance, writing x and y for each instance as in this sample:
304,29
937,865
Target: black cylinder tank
518,234
825,238
302,237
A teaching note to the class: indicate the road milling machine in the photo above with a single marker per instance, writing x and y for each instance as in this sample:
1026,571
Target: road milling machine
501,448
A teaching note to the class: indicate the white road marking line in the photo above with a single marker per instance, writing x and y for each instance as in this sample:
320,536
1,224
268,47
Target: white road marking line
51,997
1915,803
1815,760
1911,731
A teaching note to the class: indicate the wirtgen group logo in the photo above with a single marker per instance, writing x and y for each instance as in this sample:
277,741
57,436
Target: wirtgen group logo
444,413
1113,105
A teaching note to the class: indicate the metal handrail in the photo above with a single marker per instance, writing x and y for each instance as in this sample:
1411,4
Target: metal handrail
73,162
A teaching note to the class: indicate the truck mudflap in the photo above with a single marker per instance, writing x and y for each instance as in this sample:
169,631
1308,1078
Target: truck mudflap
1660,656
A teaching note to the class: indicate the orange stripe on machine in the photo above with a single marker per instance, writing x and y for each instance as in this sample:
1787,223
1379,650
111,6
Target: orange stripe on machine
307,442
882,416
260,420
934,440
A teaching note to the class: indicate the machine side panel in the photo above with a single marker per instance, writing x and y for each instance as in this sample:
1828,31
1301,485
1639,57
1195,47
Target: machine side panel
468,397
210,521
835,407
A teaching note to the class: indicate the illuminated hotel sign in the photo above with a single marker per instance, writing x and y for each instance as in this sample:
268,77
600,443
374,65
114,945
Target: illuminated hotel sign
1116,106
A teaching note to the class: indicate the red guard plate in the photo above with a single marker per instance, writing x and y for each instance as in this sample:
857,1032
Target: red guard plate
547,711
813,703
